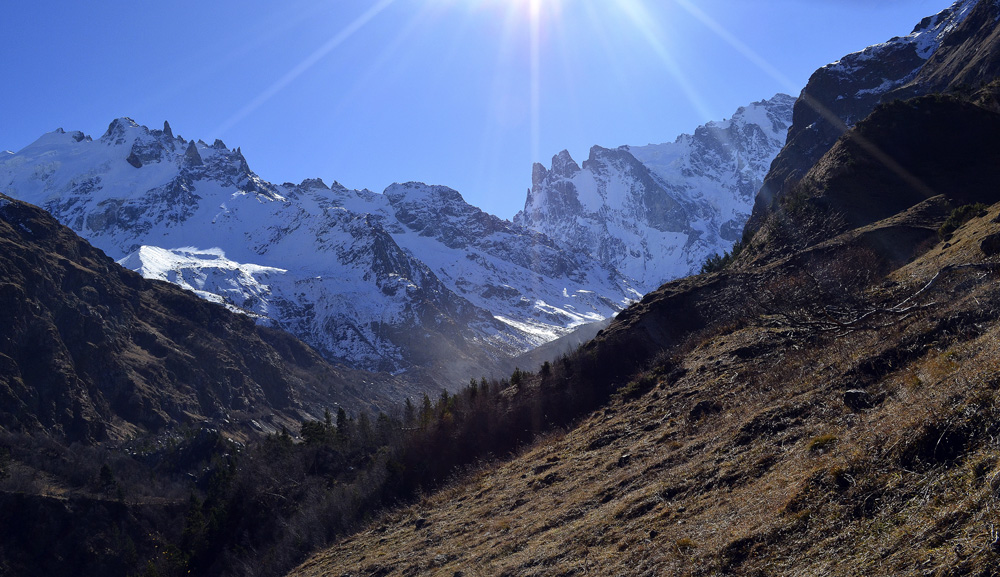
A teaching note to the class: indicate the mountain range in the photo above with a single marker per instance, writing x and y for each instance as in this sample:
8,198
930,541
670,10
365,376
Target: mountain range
412,281
825,401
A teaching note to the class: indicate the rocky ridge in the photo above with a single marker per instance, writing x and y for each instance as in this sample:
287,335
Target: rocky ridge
656,212
842,93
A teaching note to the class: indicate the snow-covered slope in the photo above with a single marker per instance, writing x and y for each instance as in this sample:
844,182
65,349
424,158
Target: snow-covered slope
411,278
656,212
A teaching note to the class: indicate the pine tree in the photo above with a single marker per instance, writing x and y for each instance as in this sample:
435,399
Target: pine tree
343,424
409,413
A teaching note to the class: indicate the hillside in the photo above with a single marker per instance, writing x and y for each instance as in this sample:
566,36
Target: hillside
94,352
849,434
825,403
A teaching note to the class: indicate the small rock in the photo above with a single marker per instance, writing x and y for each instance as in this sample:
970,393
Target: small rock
857,399
703,408
624,460
991,244
550,479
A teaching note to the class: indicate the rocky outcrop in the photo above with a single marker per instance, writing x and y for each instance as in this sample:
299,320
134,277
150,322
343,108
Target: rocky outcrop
841,94
904,153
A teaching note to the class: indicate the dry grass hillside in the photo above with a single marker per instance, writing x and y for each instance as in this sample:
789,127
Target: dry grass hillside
798,440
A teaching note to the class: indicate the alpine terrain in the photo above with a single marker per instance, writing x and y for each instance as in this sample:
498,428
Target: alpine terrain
822,400
844,92
656,212
825,403
412,280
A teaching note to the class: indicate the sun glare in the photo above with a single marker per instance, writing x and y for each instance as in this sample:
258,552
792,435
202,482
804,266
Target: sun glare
520,8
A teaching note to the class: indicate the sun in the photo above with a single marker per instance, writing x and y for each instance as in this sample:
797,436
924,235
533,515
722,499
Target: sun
521,8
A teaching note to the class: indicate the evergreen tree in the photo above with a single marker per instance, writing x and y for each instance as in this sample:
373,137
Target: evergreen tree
343,424
365,436
409,413
426,411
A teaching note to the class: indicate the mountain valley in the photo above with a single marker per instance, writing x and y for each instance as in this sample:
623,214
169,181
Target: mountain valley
582,390
412,281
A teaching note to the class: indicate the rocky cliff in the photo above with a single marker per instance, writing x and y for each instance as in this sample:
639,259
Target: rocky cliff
656,212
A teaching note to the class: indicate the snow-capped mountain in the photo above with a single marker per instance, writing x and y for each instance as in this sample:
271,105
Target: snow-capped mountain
656,212
410,278
844,92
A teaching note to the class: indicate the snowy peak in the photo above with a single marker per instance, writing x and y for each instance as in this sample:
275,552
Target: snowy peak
564,166
868,74
925,38
932,30
655,212
315,183
122,130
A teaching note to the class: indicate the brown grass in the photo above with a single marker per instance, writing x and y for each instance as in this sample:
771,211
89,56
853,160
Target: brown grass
775,475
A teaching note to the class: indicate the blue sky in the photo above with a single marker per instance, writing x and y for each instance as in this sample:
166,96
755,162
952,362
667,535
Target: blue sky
466,93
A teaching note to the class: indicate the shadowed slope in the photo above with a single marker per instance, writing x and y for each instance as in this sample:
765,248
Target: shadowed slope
92,351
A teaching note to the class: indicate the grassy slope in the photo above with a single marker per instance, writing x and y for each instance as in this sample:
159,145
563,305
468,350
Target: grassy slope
745,459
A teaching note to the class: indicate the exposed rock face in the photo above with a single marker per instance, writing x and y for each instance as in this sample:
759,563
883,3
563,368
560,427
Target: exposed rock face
191,156
93,351
839,95
968,54
656,212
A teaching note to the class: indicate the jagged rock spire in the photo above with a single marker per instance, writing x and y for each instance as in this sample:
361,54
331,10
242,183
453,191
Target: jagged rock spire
191,155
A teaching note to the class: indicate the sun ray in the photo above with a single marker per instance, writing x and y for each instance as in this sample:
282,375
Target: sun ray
647,26
303,66
880,155
415,24
741,47
535,9
501,112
